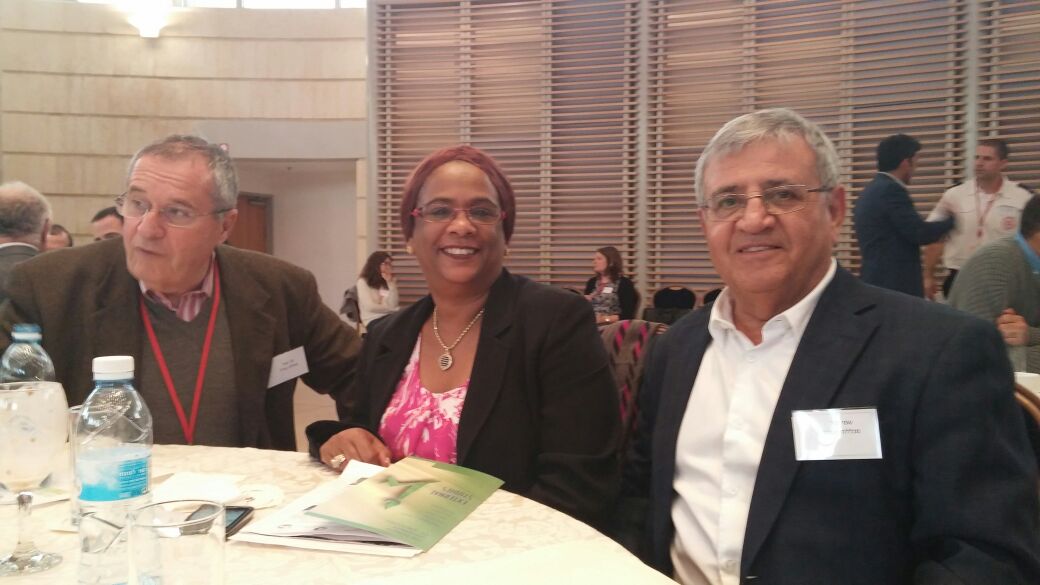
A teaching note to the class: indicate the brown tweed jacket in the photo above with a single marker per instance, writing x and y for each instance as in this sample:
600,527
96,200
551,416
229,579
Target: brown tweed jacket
86,302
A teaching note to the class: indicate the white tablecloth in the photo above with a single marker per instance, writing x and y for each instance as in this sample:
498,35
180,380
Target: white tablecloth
508,539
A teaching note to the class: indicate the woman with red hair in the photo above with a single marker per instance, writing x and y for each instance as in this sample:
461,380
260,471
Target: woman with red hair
490,370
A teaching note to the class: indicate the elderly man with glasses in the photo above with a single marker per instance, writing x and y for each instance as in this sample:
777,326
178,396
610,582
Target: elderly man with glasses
810,428
219,335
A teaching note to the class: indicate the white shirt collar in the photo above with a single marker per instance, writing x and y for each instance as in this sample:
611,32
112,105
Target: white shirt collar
796,318
10,244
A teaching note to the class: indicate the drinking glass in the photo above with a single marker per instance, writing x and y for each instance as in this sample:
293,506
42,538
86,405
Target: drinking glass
178,543
33,430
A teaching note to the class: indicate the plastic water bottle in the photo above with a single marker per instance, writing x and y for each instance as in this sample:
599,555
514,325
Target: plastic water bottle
113,469
25,359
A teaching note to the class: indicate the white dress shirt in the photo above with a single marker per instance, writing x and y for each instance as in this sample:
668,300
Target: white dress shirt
722,436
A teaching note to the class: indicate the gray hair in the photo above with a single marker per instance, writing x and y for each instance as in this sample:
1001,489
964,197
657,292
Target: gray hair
780,124
179,146
23,212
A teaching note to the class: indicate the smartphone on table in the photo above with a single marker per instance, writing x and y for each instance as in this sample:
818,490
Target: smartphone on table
235,517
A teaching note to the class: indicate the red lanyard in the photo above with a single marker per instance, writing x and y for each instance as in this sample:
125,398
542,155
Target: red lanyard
982,214
187,427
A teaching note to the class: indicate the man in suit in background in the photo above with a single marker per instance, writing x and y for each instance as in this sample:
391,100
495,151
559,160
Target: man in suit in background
216,332
25,221
809,428
889,229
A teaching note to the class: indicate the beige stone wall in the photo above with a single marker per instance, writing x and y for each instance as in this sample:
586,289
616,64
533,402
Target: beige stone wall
80,91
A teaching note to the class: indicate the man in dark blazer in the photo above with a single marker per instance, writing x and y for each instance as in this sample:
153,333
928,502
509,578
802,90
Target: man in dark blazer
889,229
809,428
25,220
169,294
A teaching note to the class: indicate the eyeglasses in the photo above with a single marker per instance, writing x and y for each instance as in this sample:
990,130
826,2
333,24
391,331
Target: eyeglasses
776,200
483,214
172,215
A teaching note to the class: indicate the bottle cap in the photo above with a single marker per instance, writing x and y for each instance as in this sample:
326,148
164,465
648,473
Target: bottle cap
26,332
113,367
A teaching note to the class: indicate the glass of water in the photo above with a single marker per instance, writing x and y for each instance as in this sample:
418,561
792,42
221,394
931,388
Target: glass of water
178,543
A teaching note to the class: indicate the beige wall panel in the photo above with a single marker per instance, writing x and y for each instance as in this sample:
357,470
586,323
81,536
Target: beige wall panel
184,98
68,175
75,211
52,133
74,17
179,57
63,17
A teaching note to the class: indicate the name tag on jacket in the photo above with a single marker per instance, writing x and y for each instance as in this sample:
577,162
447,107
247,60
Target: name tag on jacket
286,366
836,433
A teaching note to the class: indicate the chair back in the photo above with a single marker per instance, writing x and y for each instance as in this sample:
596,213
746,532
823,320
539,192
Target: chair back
675,297
663,316
1030,403
628,341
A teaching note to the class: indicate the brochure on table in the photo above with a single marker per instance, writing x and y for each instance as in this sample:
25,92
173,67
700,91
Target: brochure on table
337,530
415,501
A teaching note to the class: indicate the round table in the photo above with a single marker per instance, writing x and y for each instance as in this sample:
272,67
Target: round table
508,539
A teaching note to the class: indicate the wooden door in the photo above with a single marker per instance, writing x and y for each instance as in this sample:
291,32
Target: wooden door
254,216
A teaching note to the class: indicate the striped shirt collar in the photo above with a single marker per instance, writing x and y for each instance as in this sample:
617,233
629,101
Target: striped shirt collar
189,305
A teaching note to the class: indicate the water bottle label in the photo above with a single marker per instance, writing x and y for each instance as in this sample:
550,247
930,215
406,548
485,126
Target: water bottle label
112,477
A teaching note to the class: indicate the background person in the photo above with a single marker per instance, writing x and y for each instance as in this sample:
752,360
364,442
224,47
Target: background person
987,208
25,219
611,293
945,489
490,370
169,294
1001,283
58,237
888,227
106,224
377,287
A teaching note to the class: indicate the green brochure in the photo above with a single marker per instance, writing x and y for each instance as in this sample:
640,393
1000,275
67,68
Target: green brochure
415,501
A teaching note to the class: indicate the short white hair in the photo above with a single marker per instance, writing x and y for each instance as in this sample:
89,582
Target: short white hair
780,124
24,211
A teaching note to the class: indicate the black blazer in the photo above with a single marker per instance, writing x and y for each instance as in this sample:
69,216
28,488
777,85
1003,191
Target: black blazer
626,293
542,410
891,233
954,499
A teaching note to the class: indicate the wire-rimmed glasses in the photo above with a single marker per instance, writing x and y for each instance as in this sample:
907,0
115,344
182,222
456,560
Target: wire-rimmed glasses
172,215
776,201
482,213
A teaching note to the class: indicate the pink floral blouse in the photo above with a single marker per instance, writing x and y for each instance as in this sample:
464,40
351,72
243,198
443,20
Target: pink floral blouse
420,422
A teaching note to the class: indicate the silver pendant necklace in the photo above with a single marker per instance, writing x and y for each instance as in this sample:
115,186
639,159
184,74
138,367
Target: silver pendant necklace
446,360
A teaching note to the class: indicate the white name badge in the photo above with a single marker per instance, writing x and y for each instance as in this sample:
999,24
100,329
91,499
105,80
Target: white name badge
607,290
836,433
288,365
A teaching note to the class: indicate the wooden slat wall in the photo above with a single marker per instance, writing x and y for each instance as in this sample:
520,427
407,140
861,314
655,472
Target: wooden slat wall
80,91
1010,84
862,69
547,87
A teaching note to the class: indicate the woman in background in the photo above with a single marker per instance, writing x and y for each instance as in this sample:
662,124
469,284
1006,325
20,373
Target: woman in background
611,292
377,287
491,370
